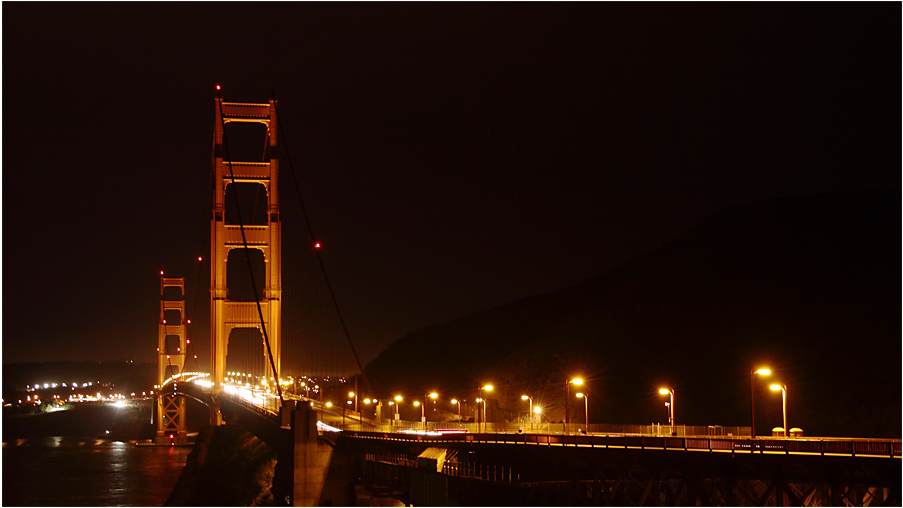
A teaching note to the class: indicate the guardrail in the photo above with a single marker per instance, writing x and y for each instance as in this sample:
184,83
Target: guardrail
890,448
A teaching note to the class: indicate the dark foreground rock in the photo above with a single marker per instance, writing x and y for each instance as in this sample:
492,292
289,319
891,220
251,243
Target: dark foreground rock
228,467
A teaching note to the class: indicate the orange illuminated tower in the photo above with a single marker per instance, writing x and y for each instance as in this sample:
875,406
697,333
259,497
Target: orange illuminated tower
225,314
171,347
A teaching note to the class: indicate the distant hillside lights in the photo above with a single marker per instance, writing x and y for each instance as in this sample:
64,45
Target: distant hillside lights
54,396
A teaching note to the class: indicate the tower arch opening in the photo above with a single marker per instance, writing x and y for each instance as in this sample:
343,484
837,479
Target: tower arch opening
248,198
238,280
247,353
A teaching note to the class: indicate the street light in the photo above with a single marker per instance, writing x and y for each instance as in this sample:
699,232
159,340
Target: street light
567,400
666,391
353,396
586,405
397,400
527,397
422,413
538,411
433,396
783,389
488,388
458,402
752,395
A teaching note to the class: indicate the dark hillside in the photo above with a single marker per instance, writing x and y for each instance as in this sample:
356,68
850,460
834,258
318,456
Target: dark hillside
809,286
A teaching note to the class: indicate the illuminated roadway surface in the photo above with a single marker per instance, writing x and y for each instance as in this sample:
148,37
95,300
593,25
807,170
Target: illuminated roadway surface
843,447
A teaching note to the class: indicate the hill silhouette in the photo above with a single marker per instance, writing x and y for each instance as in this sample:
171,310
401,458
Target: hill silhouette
809,286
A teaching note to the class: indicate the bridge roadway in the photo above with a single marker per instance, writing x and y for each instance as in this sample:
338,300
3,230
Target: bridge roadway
544,469
267,407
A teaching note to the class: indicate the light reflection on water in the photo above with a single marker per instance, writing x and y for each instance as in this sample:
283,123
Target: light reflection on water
72,471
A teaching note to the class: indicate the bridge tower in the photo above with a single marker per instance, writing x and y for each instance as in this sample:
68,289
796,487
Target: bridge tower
171,347
225,314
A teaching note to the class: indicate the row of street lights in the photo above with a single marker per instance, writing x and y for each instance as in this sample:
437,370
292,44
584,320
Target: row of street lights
578,381
670,403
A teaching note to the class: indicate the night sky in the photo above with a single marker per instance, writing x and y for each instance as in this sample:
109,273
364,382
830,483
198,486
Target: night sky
452,157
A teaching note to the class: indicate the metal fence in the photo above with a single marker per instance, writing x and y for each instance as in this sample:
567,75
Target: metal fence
810,446
551,428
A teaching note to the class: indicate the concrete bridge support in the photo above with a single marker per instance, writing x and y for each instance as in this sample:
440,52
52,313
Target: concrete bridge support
311,458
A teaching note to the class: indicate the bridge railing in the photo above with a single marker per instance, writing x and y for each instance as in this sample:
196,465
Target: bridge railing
552,428
811,446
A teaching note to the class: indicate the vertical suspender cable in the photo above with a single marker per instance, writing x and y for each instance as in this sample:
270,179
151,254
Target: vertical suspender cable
319,257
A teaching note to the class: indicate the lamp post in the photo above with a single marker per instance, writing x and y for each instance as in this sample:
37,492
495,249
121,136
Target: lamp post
752,395
586,405
476,412
526,397
488,388
360,415
353,395
397,400
538,411
783,389
667,391
422,413
458,402
434,396
567,400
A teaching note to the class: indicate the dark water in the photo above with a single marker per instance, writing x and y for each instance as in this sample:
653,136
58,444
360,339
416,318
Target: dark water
75,471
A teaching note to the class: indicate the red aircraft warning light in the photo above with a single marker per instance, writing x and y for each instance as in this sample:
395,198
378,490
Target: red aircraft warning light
317,245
